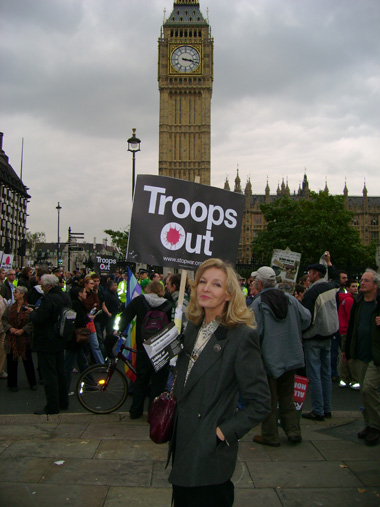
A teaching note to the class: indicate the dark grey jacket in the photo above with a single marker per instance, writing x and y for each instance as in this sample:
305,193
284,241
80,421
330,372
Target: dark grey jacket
230,363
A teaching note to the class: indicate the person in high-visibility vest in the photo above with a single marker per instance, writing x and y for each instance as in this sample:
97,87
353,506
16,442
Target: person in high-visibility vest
122,289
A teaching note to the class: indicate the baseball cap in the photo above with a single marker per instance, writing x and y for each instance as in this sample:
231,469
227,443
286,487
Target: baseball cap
265,273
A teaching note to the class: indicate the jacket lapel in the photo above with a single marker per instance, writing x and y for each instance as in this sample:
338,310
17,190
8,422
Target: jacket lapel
210,354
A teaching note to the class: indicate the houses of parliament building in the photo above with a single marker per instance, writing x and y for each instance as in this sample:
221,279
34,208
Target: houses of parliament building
365,209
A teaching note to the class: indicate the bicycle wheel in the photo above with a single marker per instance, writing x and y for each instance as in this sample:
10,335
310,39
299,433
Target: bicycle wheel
95,396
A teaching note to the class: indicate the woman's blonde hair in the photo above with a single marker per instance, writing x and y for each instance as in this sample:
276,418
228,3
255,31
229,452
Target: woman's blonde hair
236,311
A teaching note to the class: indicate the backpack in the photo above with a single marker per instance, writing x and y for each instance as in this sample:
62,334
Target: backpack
155,320
66,322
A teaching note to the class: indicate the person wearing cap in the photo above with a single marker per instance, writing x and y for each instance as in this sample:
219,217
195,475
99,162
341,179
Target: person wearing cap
8,288
320,300
143,278
280,320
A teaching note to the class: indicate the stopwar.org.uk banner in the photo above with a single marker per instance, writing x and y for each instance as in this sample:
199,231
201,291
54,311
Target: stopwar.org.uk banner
181,224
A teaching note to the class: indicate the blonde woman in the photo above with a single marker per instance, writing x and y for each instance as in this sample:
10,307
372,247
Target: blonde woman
221,357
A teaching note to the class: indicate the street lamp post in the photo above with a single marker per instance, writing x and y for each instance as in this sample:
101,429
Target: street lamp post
58,208
133,146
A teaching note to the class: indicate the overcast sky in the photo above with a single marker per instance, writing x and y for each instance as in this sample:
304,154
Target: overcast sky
296,85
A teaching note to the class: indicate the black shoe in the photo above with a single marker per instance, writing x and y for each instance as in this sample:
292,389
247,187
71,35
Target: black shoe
13,389
313,416
295,439
328,415
373,436
364,433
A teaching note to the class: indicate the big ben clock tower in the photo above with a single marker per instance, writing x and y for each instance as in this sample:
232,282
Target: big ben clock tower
185,75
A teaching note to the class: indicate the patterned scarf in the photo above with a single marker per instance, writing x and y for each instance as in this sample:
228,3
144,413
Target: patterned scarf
17,344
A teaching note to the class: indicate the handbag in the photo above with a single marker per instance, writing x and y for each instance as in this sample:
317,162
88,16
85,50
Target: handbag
82,334
161,416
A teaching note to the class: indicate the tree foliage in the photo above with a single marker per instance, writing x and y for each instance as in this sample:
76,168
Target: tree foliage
119,239
311,226
34,240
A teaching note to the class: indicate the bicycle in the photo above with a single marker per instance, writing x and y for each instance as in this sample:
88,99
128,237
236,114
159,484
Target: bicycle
102,388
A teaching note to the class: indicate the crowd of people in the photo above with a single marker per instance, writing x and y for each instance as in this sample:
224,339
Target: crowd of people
243,343
30,306
337,340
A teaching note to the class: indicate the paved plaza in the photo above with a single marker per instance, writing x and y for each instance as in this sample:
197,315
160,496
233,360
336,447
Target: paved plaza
96,461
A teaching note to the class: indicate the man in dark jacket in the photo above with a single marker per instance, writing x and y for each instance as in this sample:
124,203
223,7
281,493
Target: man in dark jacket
50,346
320,300
363,351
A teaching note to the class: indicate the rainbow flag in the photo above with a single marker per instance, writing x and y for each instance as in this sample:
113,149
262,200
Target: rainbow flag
133,290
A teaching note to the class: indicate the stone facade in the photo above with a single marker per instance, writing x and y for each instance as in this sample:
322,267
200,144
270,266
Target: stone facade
366,212
13,204
185,76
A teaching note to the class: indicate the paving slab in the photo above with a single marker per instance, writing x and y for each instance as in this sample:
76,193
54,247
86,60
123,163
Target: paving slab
302,475
329,497
368,472
4,444
100,472
343,450
125,496
118,430
139,450
48,495
59,448
23,469
22,431
241,476
71,430
160,474
249,451
304,451
257,497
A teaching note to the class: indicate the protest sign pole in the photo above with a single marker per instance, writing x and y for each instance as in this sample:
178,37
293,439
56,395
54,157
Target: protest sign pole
179,310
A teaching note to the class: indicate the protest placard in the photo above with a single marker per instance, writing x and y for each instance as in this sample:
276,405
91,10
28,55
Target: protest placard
6,261
163,346
181,224
286,264
105,264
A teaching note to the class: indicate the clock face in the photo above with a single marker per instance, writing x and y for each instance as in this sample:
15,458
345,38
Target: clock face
185,59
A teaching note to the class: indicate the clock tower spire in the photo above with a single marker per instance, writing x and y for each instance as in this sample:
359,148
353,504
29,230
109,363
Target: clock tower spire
185,76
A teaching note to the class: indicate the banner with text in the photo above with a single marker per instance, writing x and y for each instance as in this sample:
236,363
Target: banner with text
104,264
179,223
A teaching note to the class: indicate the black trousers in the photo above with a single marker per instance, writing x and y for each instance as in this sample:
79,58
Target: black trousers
146,375
52,368
217,495
12,367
